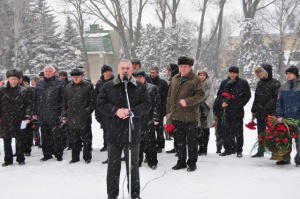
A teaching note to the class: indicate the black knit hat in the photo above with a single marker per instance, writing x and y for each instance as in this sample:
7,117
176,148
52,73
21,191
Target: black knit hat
63,73
139,73
184,60
234,69
41,73
26,78
293,69
76,72
105,68
174,69
14,73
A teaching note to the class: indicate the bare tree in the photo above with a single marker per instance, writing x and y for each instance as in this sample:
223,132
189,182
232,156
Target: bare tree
173,10
250,7
220,27
113,13
137,32
284,20
199,42
217,28
161,12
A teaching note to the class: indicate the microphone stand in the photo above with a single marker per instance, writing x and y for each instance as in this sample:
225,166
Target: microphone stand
131,127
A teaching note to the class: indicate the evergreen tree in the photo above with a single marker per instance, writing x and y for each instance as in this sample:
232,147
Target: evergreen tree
42,45
253,51
66,58
160,47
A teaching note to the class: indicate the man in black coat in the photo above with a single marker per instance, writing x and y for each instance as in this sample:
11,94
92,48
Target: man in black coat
265,98
149,122
14,110
137,65
77,106
112,102
46,105
106,75
163,88
233,94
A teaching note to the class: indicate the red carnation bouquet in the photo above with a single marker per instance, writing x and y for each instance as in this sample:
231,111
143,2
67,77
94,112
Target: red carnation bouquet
169,127
251,125
227,98
278,137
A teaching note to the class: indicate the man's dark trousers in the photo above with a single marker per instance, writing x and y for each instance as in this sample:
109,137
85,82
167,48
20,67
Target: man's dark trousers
114,168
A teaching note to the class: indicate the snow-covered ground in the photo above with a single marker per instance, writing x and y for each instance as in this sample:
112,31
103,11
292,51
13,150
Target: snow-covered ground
216,177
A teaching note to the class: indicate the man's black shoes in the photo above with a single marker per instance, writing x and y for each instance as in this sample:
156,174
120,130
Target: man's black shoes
239,155
192,168
105,162
21,163
225,153
73,161
5,164
103,149
59,159
179,166
171,151
282,162
45,159
257,155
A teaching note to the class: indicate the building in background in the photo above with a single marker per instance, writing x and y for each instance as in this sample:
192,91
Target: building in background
103,47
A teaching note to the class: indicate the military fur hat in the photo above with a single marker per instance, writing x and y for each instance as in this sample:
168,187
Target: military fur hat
139,73
234,69
14,73
76,72
184,60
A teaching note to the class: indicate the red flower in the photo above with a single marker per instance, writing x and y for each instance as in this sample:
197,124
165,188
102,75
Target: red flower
259,139
277,139
251,125
169,127
294,135
214,124
275,132
227,95
285,140
270,137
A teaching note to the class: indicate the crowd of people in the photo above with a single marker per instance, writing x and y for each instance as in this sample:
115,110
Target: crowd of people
55,113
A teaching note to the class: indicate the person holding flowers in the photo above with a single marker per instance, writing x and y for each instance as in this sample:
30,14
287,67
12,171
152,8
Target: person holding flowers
233,94
265,98
288,106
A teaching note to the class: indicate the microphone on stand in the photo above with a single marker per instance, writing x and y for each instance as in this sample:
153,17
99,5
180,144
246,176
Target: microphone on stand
125,80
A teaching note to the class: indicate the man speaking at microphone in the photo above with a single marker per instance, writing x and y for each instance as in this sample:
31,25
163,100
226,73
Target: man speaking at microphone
113,103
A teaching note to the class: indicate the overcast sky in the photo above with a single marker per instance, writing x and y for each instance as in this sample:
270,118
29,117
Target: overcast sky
186,10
